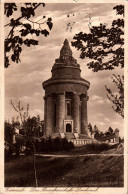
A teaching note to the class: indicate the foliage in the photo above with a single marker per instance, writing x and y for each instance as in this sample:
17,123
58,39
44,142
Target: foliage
9,149
110,130
23,114
99,134
28,127
25,26
96,135
117,99
90,128
104,46
51,145
103,43
8,132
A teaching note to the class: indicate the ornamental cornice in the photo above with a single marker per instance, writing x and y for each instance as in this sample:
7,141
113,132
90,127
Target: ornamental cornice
71,81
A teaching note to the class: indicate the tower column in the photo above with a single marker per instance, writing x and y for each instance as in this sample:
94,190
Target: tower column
84,122
76,101
60,112
49,116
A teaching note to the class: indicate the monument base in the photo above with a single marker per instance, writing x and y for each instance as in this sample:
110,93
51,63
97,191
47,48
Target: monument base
75,138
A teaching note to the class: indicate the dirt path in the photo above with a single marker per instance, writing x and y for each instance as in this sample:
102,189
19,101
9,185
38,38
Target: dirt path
81,155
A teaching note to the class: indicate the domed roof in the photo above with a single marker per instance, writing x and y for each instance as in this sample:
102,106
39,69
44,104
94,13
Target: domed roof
66,70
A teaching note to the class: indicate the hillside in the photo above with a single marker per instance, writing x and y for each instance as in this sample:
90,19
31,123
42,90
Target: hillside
95,170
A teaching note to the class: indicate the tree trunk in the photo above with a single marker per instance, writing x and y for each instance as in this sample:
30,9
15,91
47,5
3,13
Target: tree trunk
34,164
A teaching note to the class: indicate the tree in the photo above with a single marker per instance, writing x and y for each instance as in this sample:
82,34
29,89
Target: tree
96,132
90,128
96,128
32,127
101,42
104,46
117,99
110,130
101,134
107,133
25,26
8,132
96,135
28,126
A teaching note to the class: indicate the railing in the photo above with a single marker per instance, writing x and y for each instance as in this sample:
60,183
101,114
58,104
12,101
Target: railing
81,141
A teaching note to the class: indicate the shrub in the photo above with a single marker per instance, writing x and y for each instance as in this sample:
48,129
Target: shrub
51,145
67,146
8,151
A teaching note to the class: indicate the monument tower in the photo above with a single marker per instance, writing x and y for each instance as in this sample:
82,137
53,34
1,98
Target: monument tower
65,101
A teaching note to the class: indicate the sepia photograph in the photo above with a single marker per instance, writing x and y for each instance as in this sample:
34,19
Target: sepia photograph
64,94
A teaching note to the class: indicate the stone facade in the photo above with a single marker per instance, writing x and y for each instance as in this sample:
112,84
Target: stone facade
65,101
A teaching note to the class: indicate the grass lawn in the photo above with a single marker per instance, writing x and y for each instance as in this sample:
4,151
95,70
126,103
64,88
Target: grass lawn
73,171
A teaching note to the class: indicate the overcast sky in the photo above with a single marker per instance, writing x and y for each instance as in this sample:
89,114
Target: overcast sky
23,81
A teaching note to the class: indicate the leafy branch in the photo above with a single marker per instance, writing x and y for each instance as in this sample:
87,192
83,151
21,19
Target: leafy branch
13,42
117,99
101,42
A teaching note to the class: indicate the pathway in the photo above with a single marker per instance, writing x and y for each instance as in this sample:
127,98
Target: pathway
81,155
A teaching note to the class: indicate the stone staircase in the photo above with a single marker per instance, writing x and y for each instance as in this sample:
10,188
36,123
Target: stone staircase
83,136
75,138
69,136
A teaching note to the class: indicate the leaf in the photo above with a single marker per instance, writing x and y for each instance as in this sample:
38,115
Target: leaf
12,22
14,43
34,4
37,32
20,41
24,32
45,32
13,58
6,63
50,25
9,8
23,10
49,19
28,26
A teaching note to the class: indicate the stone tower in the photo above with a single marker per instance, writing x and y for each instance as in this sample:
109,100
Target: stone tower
65,101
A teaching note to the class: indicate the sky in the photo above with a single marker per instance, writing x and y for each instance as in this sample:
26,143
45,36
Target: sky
23,81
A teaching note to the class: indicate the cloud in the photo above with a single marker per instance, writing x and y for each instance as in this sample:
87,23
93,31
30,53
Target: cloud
107,119
95,97
115,122
36,112
99,100
25,98
100,123
103,101
100,114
